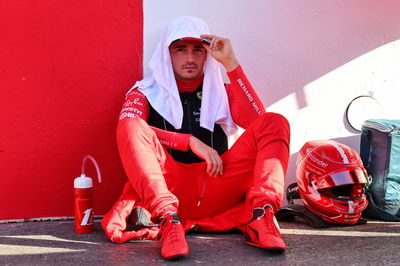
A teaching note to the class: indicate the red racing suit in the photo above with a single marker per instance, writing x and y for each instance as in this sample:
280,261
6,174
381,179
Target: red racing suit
253,168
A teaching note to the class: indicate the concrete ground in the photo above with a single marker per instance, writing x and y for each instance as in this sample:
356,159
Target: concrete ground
55,243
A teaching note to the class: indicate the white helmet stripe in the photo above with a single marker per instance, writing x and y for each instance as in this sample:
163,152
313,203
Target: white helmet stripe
342,153
351,206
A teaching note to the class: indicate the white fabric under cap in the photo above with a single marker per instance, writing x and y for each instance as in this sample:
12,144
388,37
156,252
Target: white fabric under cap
161,89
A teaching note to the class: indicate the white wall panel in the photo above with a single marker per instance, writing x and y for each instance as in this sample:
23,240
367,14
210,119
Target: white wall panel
306,59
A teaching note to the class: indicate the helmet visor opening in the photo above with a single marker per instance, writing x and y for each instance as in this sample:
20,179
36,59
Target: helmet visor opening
344,192
354,176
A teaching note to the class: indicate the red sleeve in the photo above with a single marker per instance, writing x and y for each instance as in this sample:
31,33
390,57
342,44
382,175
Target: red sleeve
137,106
243,100
173,140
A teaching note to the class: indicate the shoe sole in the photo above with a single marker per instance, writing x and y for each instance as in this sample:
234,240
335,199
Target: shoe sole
276,249
178,256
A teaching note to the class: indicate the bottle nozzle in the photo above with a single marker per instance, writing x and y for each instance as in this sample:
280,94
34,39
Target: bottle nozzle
95,165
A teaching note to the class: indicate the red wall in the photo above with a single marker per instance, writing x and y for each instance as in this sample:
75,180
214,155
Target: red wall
65,67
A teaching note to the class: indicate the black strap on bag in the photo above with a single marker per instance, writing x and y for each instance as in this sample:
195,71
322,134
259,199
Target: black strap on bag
365,149
292,210
375,212
291,193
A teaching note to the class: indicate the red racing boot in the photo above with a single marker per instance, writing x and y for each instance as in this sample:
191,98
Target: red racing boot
173,239
263,230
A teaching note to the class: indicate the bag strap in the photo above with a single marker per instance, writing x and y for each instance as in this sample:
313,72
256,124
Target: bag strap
294,210
375,212
291,211
291,193
365,147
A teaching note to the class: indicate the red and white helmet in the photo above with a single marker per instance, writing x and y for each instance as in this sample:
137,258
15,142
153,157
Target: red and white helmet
331,181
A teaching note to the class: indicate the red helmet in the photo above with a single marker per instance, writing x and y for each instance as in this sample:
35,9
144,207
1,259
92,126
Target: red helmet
331,181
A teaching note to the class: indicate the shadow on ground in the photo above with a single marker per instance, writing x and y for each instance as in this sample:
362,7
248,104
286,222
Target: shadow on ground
55,243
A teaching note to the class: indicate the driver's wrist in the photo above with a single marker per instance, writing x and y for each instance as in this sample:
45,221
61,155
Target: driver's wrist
231,64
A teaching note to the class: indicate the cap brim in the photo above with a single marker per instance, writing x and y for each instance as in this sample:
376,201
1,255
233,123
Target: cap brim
192,39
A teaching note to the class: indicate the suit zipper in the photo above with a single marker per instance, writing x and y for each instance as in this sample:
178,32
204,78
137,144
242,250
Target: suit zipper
187,105
165,127
205,175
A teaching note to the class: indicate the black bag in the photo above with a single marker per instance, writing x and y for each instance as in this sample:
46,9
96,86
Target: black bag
380,153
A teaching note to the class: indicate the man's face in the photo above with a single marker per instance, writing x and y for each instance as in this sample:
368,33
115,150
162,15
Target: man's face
188,57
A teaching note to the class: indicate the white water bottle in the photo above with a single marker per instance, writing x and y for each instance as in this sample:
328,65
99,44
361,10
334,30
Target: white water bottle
83,200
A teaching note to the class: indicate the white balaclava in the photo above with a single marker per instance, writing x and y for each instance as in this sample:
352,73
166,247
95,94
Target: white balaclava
161,89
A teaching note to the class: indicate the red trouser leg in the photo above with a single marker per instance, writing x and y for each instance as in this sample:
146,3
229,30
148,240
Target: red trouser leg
254,170
144,160
271,132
